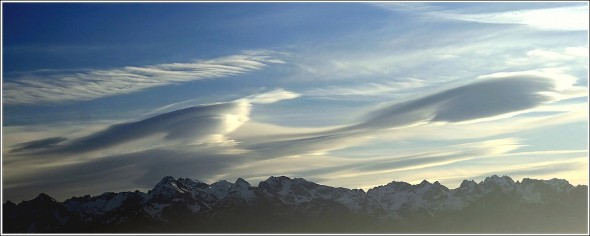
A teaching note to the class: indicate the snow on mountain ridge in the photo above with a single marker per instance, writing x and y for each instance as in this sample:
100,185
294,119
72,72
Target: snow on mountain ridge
504,182
298,190
241,190
392,198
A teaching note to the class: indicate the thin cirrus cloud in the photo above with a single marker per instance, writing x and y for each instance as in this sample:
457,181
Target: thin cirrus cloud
35,88
444,156
370,89
567,18
272,96
572,18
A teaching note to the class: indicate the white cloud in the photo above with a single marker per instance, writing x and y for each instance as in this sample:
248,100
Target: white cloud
577,51
559,18
368,89
564,58
272,96
472,130
440,59
556,18
439,157
547,55
489,97
36,88
193,125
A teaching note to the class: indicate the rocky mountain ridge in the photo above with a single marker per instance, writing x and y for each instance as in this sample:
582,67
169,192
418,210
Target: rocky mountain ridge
283,204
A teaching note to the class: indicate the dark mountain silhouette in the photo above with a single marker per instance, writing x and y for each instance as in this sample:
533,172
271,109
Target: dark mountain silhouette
285,205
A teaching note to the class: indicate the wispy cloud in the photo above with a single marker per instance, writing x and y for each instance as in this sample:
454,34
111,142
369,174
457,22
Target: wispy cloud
451,57
272,96
567,18
43,88
432,158
561,18
369,89
567,56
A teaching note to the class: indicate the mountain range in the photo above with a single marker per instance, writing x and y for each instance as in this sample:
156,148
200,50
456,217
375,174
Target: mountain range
295,205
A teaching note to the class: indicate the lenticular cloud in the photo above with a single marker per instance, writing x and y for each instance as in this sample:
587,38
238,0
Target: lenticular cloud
200,123
192,123
486,97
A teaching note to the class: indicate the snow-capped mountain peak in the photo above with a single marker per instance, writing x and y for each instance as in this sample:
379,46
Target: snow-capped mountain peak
219,189
560,185
239,185
505,183
242,190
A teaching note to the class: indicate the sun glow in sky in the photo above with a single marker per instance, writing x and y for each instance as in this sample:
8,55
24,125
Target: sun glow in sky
112,97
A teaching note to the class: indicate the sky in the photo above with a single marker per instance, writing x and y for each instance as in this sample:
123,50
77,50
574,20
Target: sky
109,97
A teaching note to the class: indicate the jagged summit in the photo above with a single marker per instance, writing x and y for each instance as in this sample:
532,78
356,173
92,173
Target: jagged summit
241,183
499,180
44,197
424,182
467,183
167,179
10,203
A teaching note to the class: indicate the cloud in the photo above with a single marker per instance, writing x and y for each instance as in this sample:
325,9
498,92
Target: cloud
565,57
192,124
560,114
572,18
272,96
368,89
443,156
200,123
49,88
208,123
466,53
492,96
38,144
489,97
567,18
303,144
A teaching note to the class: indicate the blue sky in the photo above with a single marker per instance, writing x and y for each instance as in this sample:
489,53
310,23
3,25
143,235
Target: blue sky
113,96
